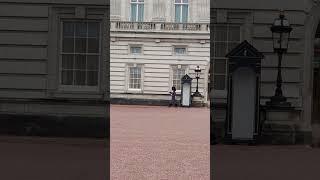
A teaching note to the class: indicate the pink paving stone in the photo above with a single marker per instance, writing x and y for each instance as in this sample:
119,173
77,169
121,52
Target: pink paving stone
159,143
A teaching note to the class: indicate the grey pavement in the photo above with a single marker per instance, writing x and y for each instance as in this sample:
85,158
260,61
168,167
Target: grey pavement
159,143
237,162
34,158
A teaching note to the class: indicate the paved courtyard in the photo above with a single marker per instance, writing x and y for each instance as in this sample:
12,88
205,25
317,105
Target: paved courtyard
159,143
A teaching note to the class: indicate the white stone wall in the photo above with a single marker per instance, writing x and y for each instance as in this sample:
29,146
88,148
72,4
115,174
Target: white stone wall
158,47
157,58
161,10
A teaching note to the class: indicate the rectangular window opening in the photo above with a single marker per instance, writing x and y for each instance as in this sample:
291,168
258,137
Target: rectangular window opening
80,53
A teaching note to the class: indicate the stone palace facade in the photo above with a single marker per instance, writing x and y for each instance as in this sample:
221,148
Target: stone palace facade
53,66
251,20
154,44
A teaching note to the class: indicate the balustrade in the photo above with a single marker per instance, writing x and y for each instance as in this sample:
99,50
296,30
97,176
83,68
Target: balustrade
159,26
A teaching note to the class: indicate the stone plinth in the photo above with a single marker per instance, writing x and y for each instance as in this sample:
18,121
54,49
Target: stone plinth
279,125
218,116
197,101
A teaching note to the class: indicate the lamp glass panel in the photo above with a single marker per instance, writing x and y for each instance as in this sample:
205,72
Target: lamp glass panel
285,40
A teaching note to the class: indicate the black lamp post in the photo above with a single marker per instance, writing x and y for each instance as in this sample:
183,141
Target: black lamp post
281,30
197,71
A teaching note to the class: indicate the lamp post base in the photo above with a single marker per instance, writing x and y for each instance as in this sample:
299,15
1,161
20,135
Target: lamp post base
278,101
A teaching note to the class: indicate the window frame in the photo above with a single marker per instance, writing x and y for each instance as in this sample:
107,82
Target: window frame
172,68
180,46
135,45
181,11
76,88
132,90
223,92
137,12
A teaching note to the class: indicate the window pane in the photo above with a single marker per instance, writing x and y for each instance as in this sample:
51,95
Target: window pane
180,50
234,33
131,83
80,62
177,13
221,33
178,86
185,1
141,12
80,38
232,46
219,82
136,50
176,77
92,62
93,30
80,78
68,29
68,45
133,12
220,49
92,78
220,66
67,62
135,77
81,45
67,77
184,13
93,45
81,29
138,86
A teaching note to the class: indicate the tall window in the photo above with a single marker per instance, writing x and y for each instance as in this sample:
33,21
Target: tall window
80,53
135,77
137,10
177,73
181,11
226,37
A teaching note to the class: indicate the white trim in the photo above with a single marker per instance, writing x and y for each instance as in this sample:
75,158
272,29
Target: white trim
131,90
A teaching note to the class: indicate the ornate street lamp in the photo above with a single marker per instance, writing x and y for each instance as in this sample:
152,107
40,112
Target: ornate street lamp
281,30
197,71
